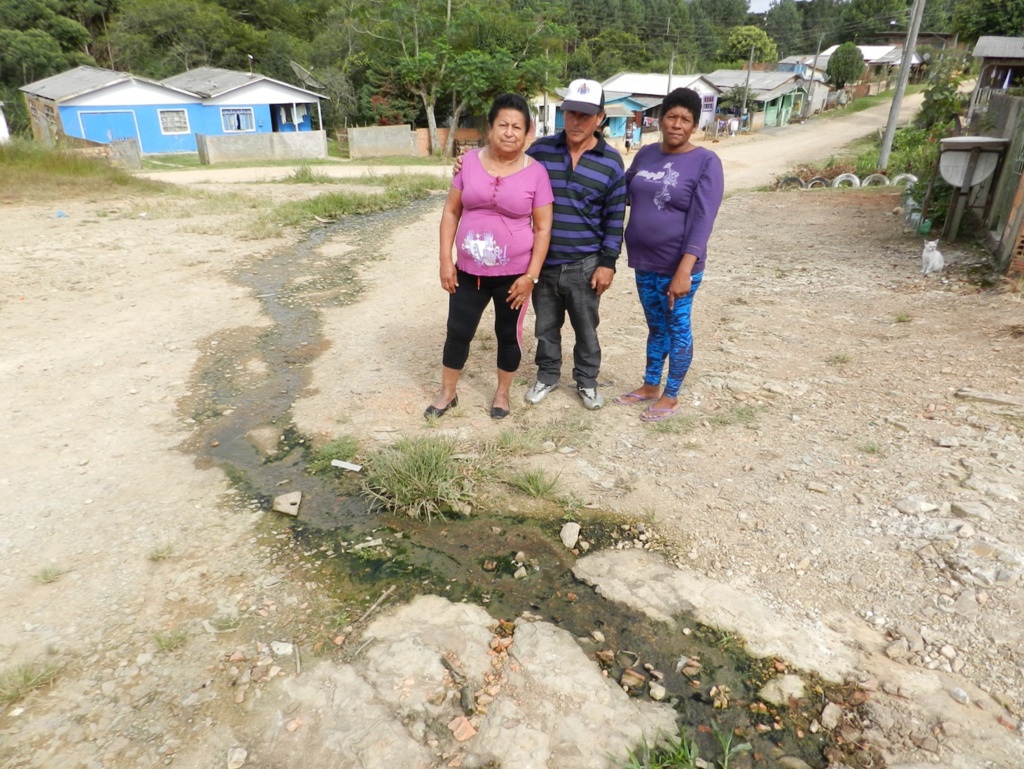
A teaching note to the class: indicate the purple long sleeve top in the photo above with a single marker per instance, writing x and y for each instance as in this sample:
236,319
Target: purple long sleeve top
673,199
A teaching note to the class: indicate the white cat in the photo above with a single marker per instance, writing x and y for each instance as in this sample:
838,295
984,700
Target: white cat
931,257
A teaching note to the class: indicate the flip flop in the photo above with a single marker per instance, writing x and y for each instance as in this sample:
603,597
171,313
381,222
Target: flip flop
657,415
631,399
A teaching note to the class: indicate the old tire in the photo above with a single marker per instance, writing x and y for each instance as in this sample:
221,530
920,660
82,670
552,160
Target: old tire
791,183
817,181
905,179
846,179
875,180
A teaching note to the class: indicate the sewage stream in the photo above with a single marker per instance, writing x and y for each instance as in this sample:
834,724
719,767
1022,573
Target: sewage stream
472,559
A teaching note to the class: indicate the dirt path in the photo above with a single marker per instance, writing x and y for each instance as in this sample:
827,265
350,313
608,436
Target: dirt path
827,464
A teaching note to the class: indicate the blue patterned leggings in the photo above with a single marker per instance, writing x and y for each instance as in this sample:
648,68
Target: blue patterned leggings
669,334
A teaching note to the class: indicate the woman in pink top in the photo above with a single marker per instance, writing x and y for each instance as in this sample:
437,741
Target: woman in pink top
498,219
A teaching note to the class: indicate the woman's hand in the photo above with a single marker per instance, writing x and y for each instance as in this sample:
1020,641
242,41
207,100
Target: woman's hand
449,276
679,287
520,291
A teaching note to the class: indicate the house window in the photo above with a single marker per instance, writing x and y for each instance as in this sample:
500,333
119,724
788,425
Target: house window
173,121
235,120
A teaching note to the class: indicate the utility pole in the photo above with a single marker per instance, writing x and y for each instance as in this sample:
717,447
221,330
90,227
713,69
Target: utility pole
814,68
901,84
671,64
746,89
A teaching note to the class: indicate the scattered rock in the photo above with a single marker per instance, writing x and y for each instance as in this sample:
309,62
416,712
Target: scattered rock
780,690
236,757
657,692
831,716
792,762
570,534
461,728
960,696
282,649
971,510
288,503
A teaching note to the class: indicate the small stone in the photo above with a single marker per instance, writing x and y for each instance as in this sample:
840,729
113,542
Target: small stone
520,573
632,679
521,557
597,635
236,757
971,510
960,695
913,506
657,692
461,728
831,716
898,649
792,762
570,534
1011,723
780,690
288,503
948,652
282,649
947,442
815,486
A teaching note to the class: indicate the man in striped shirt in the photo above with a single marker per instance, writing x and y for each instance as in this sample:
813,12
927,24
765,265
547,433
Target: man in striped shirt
589,185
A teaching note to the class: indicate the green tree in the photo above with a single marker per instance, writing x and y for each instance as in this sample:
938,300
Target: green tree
845,65
822,19
784,25
943,103
742,39
864,20
974,18
724,13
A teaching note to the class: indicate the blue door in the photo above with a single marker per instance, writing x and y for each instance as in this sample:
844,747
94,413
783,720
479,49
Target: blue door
105,127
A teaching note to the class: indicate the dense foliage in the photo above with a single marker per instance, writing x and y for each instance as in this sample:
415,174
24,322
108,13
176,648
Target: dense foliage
387,61
845,66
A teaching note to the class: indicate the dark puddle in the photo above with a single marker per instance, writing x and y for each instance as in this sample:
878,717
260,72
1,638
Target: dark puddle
469,559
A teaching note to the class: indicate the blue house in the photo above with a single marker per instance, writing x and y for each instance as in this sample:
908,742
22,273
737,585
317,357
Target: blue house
103,106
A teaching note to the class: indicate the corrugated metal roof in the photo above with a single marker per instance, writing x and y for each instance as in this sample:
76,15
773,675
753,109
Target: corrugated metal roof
208,82
74,82
991,47
649,83
759,81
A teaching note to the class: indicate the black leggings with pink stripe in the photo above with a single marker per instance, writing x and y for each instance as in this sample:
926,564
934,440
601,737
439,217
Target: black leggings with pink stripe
465,308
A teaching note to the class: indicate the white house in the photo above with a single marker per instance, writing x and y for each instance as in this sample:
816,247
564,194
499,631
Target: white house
647,85
5,135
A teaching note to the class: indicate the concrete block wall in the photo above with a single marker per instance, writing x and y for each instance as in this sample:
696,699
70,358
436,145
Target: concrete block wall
303,145
381,141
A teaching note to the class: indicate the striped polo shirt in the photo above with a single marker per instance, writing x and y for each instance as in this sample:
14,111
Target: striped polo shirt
590,200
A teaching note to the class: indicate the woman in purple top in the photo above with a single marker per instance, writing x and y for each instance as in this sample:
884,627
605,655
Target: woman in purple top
675,189
498,219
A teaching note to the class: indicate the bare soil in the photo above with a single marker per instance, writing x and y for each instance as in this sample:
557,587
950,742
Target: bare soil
827,387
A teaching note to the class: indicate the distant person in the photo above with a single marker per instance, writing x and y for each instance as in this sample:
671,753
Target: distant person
629,138
675,190
498,219
637,136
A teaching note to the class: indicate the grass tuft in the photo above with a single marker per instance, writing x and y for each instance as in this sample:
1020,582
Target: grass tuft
344,448
161,553
417,477
168,642
305,174
902,317
537,483
18,681
50,574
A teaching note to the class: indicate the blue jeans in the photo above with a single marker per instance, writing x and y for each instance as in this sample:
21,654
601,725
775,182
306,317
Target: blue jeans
565,289
669,334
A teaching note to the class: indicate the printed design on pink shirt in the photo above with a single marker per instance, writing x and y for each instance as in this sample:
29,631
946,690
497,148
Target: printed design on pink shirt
483,249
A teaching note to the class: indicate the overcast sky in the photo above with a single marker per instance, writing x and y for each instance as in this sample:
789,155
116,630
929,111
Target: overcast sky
759,6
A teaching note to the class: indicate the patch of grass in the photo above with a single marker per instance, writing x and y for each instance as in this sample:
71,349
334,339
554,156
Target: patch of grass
902,317
870,447
515,442
50,574
399,190
680,423
168,642
161,553
305,174
573,431
417,477
29,171
738,415
838,360
18,681
344,448
728,750
536,483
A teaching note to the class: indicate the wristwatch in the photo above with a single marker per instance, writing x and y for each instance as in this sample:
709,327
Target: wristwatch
535,280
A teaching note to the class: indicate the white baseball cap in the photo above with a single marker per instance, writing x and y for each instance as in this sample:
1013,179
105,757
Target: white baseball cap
584,96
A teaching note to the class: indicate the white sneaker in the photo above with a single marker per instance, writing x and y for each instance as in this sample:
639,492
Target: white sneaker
592,399
539,392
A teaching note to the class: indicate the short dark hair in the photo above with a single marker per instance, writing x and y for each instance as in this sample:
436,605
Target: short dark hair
509,101
686,98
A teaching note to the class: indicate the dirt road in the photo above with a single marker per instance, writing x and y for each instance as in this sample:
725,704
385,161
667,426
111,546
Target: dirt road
840,460
749,161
